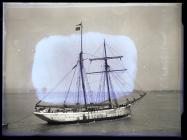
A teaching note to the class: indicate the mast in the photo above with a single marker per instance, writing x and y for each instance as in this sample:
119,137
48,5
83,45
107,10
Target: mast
107,70
81,63
106,74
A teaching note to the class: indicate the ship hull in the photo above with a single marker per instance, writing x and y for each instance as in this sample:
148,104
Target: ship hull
84,117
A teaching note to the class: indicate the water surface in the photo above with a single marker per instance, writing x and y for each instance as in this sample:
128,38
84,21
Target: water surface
157,114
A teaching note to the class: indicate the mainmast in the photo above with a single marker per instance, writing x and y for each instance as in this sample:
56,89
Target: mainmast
107,70
107,67
79,27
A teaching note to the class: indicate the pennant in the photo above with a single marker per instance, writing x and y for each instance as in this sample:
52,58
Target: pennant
79,24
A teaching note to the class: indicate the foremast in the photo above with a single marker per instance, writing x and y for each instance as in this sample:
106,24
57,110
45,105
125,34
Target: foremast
81,63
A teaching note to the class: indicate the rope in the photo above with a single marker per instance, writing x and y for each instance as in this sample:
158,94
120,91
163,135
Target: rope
120,86
93,53
96,51
89,89
62,79
78,87
70,86
121,83
116,79
90,54
20,120
112,91
120,79
113,50
102,93
99,88
29,115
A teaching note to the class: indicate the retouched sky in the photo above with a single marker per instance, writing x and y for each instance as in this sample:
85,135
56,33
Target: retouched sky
55,56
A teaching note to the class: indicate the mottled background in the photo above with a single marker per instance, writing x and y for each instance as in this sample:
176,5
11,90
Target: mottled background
155,29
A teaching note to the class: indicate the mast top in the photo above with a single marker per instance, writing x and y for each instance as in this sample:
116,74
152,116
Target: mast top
79,28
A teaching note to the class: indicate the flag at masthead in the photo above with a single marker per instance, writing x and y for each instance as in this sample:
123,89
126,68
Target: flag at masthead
79,28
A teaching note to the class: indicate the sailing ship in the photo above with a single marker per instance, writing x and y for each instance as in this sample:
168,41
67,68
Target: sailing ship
88,112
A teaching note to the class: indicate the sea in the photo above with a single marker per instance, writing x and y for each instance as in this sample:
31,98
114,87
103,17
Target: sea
156,114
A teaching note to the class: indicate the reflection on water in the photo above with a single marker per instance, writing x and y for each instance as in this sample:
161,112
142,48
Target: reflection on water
158,113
